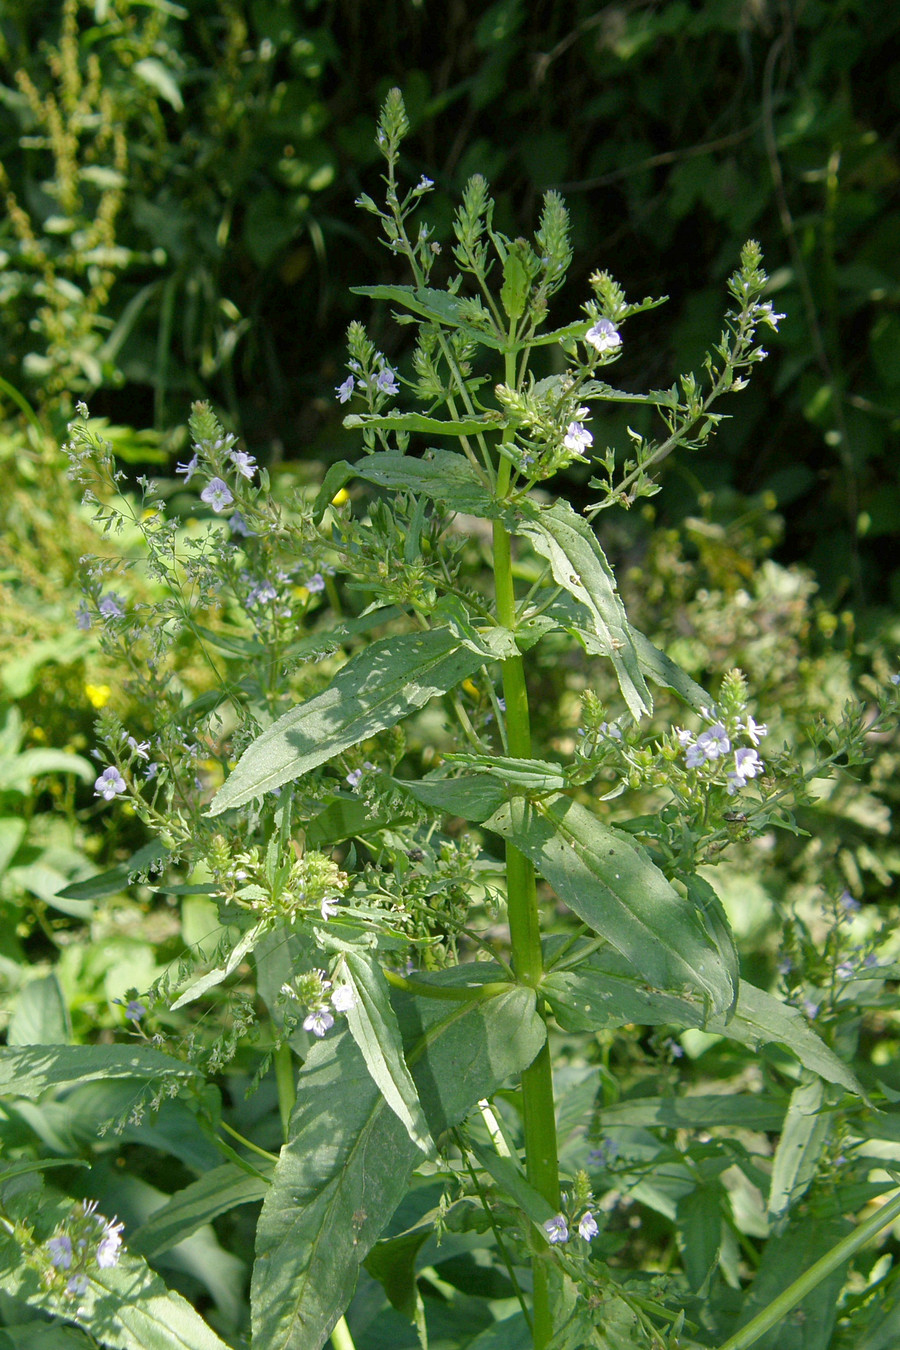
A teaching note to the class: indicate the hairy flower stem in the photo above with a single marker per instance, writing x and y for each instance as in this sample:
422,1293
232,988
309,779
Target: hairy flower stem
541,1160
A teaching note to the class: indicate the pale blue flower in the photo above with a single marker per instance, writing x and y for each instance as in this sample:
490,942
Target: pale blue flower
188,469
60,1249
587,1226
262,593
747,764
557,1229
424,184
134,1011
78,1284
343,998
110,784
244,463
217,494
315,584
610,730
849,903
108,1249
756,730
386,381
604,336
354,778
83,617
328,908
577,438
345,391
714,742
138,748
318,1022
605,1154
112,606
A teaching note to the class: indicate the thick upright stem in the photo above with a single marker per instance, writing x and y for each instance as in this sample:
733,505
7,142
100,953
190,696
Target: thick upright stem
541,1159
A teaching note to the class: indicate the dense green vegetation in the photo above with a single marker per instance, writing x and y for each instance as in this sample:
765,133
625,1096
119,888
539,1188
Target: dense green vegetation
179,188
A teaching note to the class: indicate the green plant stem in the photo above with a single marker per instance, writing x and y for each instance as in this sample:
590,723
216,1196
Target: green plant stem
341,1338
472,993
541,1159
812,1278
287,1085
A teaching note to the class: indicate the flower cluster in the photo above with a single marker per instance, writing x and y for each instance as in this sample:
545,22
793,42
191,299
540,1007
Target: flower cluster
712,747
558,1227
370,372
311,990
83,1242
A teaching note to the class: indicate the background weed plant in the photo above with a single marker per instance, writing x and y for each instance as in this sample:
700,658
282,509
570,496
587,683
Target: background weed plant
453,1002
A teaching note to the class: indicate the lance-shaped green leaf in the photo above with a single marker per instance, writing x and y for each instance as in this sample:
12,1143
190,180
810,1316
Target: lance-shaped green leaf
374,690
471,798
438,306
476,796
427,426
215,1193
239,951
662,670
28,1071
443,476
373,1025
611,883
578,564
348,1158
602,991
127,1307
804,1136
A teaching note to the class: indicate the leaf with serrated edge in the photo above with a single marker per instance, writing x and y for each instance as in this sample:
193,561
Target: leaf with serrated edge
579,566
610,882
348,1158
374,690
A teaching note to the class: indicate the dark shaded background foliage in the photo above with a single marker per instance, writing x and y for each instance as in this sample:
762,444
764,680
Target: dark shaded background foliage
675,130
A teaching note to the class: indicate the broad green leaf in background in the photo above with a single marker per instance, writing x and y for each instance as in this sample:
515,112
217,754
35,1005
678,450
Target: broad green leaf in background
31,1070
698,1224
612,885
578,564
43,1336
117,878
604,991
374,690
348,1158
12,832
217,1192
785,1258
804,1137
41,1016
127,1307
373,1025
